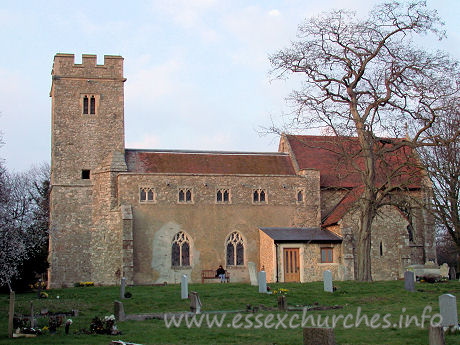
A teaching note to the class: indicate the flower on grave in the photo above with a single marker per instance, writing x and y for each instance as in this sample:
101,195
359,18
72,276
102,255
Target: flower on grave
109,318
280,291
43,295
69,322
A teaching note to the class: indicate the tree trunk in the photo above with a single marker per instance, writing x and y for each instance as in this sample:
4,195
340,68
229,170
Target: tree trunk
364,243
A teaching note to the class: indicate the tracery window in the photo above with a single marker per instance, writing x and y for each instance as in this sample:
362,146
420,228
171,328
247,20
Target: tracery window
223,196
259,196
235,249
146,194
180,254
185,195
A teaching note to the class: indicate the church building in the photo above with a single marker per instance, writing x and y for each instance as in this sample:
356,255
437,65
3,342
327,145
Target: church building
152,216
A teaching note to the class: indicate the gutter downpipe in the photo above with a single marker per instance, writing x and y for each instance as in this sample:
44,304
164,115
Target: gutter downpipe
276,246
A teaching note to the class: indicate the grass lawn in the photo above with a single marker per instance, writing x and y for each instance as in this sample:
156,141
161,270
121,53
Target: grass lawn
373,298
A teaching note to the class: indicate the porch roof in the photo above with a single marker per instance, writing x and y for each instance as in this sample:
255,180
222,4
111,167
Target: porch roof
301,235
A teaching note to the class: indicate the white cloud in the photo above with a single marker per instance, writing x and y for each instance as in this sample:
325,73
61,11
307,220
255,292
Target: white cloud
274,13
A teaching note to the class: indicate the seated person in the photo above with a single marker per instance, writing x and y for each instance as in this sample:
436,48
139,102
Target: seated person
221,274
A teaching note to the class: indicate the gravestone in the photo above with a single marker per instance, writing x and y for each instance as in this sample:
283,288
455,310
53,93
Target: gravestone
262,282
327,278
119,311
122,288
282,303
444,270
409,281
452,273
436,336
195,303
252,273
184,287
318,336
448,310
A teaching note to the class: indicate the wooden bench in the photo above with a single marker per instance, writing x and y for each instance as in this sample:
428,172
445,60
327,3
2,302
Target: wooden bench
211,274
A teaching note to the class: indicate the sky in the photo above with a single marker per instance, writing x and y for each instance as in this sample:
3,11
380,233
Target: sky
197,70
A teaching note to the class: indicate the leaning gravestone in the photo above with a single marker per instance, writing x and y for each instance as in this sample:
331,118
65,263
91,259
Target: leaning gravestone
327,278
119,311
195,303
262,282
252,273
122,288
184,287
448,310
409,281
318,336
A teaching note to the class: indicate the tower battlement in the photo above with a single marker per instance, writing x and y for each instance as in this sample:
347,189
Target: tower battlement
64,66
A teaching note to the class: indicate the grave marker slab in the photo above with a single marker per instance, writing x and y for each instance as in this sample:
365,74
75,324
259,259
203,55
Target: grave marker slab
436,336
448,310
195,303
262,282
327,278
252,273
184,287
409,281
318,336
122,288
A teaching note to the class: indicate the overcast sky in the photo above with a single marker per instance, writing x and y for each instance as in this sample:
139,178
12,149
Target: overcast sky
197,70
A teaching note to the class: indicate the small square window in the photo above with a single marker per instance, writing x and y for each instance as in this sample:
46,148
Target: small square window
85,174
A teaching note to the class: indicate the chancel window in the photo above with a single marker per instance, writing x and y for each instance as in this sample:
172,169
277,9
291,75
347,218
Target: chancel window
235,249
146,194
180,251
259,196
223,196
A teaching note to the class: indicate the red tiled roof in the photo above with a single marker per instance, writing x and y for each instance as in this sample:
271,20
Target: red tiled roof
343,206
232,163
338,159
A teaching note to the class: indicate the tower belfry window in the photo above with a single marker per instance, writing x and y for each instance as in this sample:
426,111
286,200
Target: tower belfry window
92,109
85,105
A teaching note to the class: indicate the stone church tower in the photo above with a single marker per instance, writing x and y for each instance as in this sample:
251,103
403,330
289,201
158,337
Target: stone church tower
87,130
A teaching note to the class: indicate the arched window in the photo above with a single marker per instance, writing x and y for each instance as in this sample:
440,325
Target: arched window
85,105
235,249
180,251
300,196
92,109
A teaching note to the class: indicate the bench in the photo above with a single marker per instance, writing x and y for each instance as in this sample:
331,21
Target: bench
211,274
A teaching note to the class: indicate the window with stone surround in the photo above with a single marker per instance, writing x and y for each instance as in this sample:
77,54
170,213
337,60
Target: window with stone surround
259,196
235,249
180,251
89,104
185,195
147,194
327,255
223,196
300,196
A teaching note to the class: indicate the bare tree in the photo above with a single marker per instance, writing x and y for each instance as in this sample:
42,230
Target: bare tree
442,162
22,220
364,78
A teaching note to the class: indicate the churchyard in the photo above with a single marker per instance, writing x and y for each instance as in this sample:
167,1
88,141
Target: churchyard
381,298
